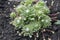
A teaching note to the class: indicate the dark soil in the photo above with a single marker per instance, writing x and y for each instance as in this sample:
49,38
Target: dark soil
7,31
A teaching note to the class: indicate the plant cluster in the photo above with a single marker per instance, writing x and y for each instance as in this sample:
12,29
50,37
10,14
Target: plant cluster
31,17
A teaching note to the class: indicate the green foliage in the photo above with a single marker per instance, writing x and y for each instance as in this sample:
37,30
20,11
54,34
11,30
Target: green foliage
13,15
30,28
30,17
58,22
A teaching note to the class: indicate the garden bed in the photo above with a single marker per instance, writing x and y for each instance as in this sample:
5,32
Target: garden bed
7,31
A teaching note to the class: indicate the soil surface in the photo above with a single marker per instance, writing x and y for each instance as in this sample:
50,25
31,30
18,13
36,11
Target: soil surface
7,31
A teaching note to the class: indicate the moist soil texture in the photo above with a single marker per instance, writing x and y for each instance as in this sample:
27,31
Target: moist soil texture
7,31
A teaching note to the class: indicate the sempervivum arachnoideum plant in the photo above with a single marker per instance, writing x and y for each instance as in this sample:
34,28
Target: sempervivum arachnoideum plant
31,17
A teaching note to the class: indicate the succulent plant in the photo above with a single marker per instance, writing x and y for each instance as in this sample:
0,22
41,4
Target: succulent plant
31,17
